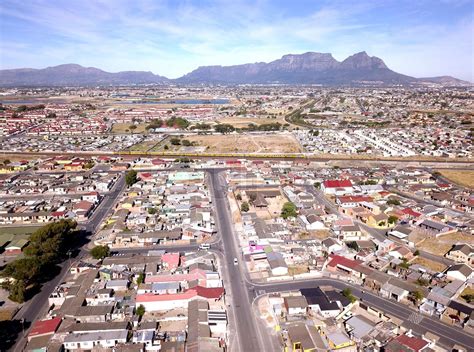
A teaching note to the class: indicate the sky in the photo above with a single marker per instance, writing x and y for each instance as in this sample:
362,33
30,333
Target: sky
420,38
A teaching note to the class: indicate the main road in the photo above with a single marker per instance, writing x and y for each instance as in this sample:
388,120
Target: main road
38,305
245,324
449,335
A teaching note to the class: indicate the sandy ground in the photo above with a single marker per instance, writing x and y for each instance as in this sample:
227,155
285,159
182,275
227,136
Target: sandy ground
240,122
442,244
461,177
123,127
273,143
435,266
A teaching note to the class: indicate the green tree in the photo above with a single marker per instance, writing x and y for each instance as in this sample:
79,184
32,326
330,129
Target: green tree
224,128
132,128
244,207
140,279
152,211
417,295
175,141
238,196
17,291
317,185
392,219
347,292
131,177
393,201
288,210
186,143
100,252
140,310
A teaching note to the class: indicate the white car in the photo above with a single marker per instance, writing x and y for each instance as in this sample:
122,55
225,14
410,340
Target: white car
236,262
205,246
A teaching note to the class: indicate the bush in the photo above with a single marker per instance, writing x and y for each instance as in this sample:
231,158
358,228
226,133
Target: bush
244,207
140,310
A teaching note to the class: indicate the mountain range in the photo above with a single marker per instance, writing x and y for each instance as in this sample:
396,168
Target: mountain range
307,68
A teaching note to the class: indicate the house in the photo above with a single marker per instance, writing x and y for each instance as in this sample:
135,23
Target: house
90,340
461,253
295,305
400,231
326,304
408,344
44,327
16,246
458,312
305,338
337,187
331,245
435,227
461,272
277,264
395,292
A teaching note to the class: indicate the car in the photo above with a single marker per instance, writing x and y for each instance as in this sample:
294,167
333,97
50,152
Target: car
236,262
205,246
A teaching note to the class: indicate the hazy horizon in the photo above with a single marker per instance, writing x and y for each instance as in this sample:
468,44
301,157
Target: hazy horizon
173,38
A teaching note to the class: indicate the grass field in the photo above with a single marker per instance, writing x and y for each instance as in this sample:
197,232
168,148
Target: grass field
461,177
19,230
234,143
123,127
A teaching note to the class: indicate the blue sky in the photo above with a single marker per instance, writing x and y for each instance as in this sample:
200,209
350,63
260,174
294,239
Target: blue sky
416,37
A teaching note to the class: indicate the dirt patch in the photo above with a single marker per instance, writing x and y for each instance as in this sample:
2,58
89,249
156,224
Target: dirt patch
442,244
240,122
242,143
297,270
125,128
430,264
461,177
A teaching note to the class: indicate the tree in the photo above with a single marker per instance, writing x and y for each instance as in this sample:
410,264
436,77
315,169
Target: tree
245,207
393,201
175,141
17,291
392,219
238,196
140,279
131,177
353,245
186,143
288,210
317,185
140,310
132,128
152,211
100,252
224,128
347,292
416,253
417,295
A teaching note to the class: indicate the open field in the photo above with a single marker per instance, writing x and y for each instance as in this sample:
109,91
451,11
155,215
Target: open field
430,264
442,244
234,143
461,177
123,127
19,230
240,122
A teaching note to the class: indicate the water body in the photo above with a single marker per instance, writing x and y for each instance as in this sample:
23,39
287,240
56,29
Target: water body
181,101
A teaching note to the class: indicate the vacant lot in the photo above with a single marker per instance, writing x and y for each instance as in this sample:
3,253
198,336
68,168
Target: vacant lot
237,143
443,244
125,128
461,177
430,264
240,122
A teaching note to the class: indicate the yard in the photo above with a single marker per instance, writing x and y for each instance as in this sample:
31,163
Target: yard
430,264
125,128
239,122
246,143
461,177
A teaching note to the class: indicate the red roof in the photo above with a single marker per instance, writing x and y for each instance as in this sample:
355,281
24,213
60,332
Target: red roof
355,199
415,343
44,327
337,183
411,212
338,260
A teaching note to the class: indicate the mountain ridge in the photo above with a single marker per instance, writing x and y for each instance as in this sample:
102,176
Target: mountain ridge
306,68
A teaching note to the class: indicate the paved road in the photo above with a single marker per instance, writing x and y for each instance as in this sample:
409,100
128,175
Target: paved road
245,319
38,305
449,335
